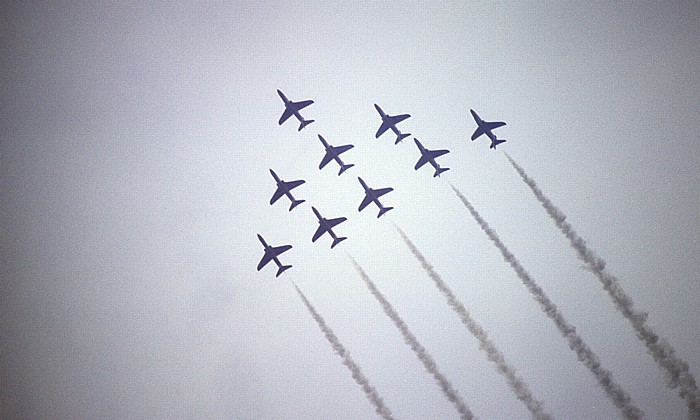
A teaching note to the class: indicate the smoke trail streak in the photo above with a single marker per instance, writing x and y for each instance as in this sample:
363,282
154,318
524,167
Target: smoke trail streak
357,374
517,385
420,351
618,396
677,372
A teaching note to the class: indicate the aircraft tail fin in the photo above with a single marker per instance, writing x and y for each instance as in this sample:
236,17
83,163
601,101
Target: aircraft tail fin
496,143
304,123
383,210
282,269
401,137
345,167
295,203
336,241
438,171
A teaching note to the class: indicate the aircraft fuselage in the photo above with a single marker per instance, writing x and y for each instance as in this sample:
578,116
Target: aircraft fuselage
268,248
427,155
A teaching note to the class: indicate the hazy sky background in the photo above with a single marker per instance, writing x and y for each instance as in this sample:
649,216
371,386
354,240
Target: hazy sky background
136,144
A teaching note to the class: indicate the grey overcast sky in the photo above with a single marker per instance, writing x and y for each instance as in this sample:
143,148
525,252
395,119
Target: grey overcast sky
136,143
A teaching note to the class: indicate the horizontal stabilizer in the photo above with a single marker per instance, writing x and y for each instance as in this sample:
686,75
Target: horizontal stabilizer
401,137
438,171
295,203
304,123
282,269
344,168
336,241
496,143
383,210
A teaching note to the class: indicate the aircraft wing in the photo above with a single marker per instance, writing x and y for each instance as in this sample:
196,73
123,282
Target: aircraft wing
342,149
327,158
293,184
265,259
382,129
477,133
395,119
365,202
285,115
495,124
277,250
301,104
422,161
276,196
333,222
381,191
320,231
437,153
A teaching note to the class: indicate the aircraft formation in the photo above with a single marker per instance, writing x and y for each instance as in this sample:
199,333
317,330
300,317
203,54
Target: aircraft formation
388,122
677,371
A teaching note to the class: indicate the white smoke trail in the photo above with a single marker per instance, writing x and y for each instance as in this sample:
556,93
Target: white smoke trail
677,372
618,396
420,351
517,385
357,374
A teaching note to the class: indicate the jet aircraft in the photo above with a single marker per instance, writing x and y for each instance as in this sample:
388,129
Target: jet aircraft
485,127
333,152
326,225
292,108
271,253
372,195
429,156
285,188
390,121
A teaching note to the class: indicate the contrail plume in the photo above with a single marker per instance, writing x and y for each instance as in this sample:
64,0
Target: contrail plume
517,385
585,355
357,374
412,341
677,372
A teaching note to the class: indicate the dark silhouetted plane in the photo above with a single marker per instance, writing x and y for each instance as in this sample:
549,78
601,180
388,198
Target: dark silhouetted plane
390,121
326,225
429,156
485,127
292,108
271,253
373,195
285,188
333,152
